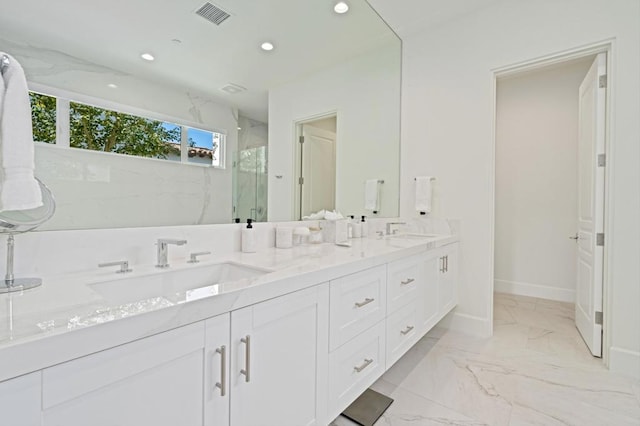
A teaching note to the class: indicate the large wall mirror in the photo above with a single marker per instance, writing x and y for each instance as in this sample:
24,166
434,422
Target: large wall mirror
171,112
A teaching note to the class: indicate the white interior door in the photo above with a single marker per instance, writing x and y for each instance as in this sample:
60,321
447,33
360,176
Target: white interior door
591,144
318,170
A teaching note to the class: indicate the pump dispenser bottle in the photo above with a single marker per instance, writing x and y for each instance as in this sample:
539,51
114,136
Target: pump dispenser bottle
364,227
248,238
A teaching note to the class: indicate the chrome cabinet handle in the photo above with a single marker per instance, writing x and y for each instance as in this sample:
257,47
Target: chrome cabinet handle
222,384
442,264
365,364
247,358
407,281
446,263
407,330
576,237
365,302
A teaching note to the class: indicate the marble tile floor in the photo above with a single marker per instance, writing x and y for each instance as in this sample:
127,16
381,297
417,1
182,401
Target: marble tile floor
535,370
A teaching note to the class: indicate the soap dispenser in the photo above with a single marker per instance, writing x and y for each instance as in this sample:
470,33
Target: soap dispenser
248,238
364,227
356,228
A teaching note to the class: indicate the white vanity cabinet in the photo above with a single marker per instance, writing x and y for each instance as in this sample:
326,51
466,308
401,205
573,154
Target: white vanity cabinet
20,400
158,380
279,360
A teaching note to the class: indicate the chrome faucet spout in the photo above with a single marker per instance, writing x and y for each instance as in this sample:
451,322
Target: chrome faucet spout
163,250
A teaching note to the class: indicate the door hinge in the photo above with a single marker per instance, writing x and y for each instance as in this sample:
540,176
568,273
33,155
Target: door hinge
300,180
600,239
602,81
602,160
598,318
301,139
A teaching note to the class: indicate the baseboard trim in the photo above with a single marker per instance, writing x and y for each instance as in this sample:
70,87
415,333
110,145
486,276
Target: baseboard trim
624,361
468,324
535,290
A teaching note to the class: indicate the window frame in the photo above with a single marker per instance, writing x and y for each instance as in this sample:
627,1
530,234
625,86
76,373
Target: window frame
63,122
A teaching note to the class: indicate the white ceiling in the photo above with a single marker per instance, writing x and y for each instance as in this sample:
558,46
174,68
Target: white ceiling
307,33
407,16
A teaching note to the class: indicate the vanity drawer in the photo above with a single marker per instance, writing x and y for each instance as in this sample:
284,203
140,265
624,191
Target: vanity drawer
355,366
404,278
357,302
403,331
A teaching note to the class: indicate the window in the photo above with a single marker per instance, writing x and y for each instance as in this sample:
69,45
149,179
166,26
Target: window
203,146
99,129
43,117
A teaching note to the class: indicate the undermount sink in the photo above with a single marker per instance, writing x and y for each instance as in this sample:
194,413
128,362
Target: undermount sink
176,285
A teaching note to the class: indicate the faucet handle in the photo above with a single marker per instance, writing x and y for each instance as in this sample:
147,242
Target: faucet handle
194,256
124,266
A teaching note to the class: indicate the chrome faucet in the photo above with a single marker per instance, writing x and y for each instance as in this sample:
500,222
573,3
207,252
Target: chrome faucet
163,250
390,226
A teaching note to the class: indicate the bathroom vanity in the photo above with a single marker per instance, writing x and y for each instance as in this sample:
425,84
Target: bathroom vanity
293,344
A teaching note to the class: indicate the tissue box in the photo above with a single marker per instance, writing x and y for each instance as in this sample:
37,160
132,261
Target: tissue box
334,231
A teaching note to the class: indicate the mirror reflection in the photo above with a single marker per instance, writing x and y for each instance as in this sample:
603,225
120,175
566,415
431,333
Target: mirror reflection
162,116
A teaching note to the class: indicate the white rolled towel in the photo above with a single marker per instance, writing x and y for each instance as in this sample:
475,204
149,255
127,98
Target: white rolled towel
423,193
371,196
19,189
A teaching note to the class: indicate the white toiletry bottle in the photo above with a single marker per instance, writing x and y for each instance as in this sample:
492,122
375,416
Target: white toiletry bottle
357,228
350,227
364,231
248,238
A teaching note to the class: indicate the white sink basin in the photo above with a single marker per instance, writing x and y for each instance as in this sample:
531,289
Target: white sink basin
177,285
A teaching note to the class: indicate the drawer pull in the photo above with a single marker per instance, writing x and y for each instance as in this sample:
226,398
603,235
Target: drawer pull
365,364
247,358
407,330
365,302
407,281
222,384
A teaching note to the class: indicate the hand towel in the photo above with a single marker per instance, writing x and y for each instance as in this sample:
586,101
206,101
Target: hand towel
19,189
371,195
423,194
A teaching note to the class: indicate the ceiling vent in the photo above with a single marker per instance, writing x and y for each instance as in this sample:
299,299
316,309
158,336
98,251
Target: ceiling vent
232,88
212,13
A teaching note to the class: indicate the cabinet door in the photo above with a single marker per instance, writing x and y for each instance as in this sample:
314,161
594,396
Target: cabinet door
153,381
429,298
216,370
448,282
20,400
279,360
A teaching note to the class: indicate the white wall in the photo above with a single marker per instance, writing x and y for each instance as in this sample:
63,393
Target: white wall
98,190
447,131
365,93
536,181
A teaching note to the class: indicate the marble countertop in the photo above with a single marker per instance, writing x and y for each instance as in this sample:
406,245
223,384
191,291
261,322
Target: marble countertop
67,317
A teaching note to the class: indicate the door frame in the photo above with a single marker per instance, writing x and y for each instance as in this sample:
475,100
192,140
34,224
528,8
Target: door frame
606,46
297,132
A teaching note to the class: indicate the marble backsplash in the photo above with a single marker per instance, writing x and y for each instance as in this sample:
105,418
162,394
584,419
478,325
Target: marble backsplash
54,253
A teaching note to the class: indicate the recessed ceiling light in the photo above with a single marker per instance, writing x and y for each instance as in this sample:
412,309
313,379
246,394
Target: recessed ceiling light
147,57
239,128
112,86
341,7
267,46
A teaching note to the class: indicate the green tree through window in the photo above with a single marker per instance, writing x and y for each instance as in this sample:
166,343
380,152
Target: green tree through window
43,117
109,131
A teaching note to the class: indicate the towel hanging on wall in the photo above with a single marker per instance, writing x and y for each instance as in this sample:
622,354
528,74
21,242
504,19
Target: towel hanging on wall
19,189
423,193
372,195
